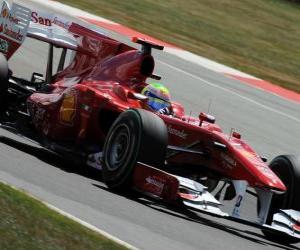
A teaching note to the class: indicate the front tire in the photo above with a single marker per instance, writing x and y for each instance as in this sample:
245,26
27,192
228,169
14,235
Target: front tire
287,168
136,135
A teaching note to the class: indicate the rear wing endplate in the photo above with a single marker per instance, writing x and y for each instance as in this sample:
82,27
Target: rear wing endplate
14,23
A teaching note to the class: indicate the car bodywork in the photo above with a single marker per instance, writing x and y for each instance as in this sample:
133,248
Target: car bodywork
74,108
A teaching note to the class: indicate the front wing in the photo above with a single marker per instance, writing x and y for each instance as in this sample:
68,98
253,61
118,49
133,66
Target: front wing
164,186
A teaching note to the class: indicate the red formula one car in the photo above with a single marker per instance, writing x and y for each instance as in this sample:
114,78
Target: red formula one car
92,109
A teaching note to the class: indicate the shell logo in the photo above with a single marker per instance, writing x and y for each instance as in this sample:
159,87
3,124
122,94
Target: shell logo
68,109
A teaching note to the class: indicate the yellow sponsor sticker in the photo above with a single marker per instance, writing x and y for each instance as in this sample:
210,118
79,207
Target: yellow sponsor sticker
68,108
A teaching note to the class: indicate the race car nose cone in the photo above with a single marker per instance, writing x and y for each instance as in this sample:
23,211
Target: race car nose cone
274,183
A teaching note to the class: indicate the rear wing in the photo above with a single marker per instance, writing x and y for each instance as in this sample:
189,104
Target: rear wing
17,22
14,23
51,28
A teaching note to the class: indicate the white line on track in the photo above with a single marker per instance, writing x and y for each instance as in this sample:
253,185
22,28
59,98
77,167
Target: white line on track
231,92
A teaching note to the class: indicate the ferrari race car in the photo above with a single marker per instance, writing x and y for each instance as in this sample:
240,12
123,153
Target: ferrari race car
91,108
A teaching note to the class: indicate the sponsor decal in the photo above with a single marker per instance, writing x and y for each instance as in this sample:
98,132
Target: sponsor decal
155,182
180,133
35,18
11,32
5,12
48,19
10,25
68,109
3,46
61,22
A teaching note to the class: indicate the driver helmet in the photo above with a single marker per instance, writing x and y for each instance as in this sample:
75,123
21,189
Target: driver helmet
158,96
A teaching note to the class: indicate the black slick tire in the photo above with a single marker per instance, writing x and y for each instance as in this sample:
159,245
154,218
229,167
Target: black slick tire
287,168
136,135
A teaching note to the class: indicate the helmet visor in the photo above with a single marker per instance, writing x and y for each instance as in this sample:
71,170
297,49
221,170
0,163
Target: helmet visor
157,103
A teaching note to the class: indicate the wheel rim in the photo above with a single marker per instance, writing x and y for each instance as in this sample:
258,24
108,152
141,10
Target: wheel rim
119,146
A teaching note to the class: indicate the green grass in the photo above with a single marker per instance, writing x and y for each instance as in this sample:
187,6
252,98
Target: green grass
261,37
26,223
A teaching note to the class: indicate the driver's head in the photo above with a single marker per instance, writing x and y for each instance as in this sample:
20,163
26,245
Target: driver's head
158,96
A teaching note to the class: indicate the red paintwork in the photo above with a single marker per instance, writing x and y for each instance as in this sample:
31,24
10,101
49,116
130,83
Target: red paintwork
73,110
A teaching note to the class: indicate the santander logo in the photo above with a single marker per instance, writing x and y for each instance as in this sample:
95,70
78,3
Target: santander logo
36,18
180,133
14,22
49,19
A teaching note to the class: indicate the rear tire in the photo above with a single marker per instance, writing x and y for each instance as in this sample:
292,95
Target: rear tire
287,168
136,135
4,77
